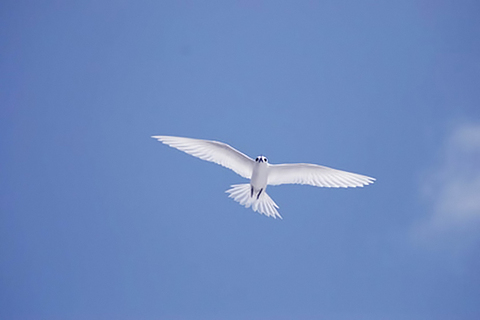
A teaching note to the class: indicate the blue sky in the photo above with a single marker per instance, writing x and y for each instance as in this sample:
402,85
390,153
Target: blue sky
99,221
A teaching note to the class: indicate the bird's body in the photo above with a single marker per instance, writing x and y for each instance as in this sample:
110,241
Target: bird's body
261,173
259,176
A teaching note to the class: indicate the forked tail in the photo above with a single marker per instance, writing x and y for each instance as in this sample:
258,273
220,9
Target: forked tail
262,203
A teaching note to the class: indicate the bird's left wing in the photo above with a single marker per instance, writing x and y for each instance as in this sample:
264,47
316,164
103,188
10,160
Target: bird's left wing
315,175
214,151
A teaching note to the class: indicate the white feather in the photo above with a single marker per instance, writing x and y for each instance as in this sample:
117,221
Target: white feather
214,151
264,204
315,175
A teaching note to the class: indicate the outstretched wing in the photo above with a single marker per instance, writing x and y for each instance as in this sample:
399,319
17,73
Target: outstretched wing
214,151
315,175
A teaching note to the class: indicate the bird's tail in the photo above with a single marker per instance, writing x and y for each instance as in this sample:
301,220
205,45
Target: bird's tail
263,203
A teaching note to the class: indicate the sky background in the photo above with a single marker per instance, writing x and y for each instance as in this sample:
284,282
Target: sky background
100,221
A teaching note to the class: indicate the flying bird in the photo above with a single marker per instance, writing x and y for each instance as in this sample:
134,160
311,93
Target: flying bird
261,173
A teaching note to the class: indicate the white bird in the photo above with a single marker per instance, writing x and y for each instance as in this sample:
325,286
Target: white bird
261,173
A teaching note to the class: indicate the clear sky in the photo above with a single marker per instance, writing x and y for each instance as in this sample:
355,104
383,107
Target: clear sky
100,221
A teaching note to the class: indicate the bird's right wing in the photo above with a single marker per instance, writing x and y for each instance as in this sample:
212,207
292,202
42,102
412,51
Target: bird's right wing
315,175
214,151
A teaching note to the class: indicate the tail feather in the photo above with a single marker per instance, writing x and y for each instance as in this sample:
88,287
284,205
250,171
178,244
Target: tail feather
241,193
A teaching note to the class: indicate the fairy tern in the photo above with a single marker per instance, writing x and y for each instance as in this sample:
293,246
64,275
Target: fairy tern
261,173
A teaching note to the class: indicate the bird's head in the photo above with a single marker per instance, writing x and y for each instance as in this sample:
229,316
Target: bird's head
261,159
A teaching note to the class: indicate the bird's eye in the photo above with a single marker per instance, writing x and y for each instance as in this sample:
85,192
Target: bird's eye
265,159
256,159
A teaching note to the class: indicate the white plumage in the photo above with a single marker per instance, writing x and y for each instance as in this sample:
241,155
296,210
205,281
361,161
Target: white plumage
261,173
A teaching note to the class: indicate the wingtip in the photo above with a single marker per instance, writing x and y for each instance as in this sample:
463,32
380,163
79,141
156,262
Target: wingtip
159,138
